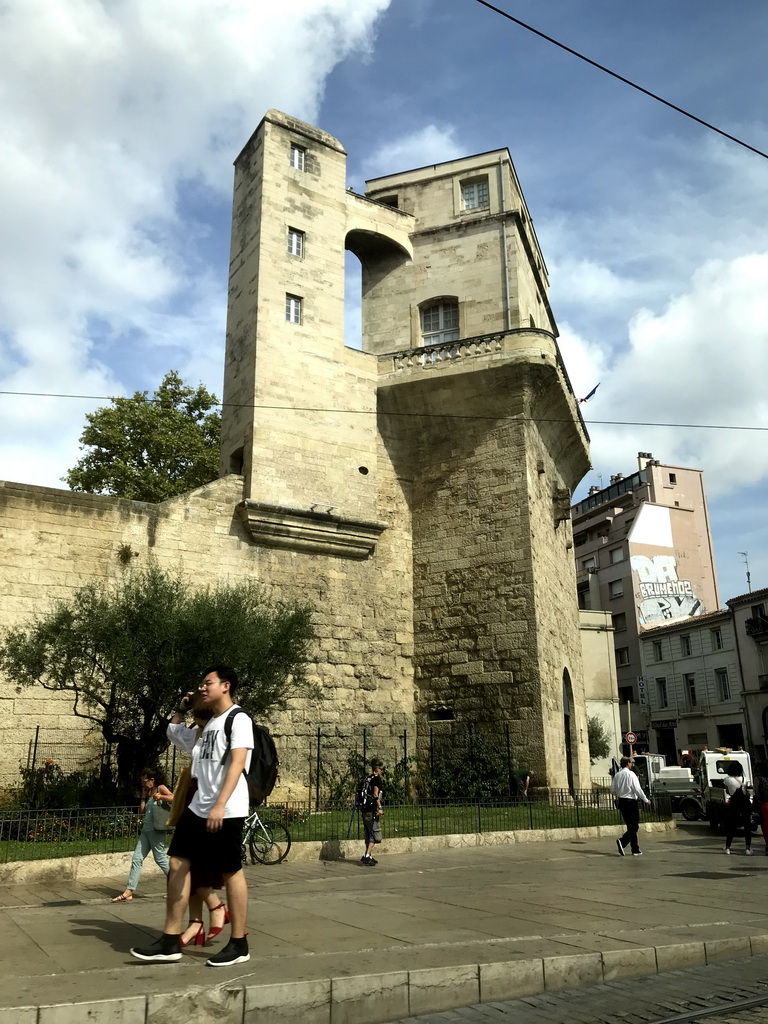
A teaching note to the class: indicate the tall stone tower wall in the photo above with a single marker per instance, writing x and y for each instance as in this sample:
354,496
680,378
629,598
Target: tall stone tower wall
414,493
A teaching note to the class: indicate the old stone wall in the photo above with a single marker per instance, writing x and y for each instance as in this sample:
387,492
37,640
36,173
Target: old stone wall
56,541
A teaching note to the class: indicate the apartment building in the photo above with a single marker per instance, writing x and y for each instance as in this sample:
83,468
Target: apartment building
643,550
693,685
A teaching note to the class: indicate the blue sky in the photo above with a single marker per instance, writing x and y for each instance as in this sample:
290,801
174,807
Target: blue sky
122,118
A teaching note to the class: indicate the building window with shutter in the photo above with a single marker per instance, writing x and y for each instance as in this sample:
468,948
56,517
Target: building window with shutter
293,309
474,194
295,242
440,322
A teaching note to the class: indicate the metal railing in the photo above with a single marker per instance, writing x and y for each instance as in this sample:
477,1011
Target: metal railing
42,834
73,831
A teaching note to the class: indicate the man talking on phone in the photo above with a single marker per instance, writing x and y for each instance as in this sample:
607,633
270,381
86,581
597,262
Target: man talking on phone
209,833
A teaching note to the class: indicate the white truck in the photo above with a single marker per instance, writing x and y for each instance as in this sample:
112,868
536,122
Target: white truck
700,792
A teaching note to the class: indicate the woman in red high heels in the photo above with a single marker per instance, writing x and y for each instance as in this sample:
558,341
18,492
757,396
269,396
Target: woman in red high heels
203,893
202,884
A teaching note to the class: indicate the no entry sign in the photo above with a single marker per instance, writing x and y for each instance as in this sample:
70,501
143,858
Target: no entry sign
630,738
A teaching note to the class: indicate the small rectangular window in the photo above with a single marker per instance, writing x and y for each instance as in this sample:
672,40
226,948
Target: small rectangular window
616,588
673,478
617,555
293,309
619,621
389,201
626,693
689,686
661,691
298,157
685,646
723,684
589,563
295,242
622,656
474,194
716,636
657,651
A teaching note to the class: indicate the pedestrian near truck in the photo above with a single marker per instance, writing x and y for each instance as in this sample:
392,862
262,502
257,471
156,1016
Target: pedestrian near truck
738,810
628,793
761,798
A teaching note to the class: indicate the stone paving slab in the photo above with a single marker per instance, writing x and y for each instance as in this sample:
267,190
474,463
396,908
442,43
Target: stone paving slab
425,930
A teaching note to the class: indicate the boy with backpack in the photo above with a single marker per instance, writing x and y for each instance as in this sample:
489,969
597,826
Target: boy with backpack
369,799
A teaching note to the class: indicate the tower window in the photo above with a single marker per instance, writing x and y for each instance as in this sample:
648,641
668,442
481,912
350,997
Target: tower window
440,323
474,194
298,157
293,309
295,242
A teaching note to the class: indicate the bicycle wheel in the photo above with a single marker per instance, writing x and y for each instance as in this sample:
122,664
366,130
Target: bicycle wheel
269,843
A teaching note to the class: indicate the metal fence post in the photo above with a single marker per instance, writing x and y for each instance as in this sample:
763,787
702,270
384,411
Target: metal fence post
405,762
365,748
317,773
34,748
509,759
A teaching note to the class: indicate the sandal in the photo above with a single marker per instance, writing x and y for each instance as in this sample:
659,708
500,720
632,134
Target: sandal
213,932
124,897
197,937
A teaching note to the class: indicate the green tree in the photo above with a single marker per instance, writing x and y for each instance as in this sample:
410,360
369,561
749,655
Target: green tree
150,449
597,737
126,653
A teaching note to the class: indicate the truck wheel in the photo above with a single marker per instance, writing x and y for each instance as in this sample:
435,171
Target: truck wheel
690,810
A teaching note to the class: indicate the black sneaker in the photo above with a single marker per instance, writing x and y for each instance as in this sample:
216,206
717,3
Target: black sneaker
372,860
165,950
620,848
235,952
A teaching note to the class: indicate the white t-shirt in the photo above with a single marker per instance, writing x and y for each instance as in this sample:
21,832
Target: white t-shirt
207,768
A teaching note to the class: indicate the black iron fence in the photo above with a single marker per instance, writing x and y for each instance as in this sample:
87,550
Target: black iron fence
72,831
41,834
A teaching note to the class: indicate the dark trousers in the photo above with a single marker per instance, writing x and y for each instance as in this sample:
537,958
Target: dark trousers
738,815
630,812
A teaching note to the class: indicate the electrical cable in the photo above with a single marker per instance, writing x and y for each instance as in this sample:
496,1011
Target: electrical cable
621,78
407,415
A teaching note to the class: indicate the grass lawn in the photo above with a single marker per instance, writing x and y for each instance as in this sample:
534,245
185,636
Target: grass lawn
409,820
13,850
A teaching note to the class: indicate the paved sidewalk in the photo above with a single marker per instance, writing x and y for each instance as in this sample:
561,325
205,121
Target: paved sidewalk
418,933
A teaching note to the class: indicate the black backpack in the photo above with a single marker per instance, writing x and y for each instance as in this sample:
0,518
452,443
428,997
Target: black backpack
364,798
262,774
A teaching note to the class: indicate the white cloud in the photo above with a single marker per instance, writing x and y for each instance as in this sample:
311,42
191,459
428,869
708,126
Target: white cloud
108,111
699,360
431,144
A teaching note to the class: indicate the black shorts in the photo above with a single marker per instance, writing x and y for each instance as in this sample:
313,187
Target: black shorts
210,852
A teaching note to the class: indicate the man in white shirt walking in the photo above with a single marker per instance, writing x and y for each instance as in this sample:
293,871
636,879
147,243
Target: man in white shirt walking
626,787
209,833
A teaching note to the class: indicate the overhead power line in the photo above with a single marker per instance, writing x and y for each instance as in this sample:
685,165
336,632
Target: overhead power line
405,415
621,78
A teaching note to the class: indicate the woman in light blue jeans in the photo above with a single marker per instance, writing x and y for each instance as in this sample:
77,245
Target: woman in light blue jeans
153,790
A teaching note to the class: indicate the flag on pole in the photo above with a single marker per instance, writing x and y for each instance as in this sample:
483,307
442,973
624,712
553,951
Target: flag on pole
591,393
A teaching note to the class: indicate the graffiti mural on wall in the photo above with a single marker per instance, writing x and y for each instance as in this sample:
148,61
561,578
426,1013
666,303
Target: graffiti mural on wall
662,595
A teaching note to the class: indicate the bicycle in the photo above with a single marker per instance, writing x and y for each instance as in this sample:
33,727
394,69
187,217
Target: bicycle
268,842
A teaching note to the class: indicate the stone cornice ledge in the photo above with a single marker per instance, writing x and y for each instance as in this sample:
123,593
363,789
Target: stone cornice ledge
304,529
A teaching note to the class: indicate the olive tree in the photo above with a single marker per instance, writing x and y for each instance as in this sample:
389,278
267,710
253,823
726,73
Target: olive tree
126,652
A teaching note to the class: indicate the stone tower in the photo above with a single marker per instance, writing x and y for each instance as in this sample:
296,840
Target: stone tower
428,476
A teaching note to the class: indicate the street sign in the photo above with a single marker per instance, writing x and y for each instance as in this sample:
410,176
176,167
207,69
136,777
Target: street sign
630,738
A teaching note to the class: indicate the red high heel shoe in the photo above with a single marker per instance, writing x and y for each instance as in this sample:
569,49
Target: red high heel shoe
198,938
213,932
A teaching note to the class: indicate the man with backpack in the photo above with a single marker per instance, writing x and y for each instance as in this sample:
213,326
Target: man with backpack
209,833
369,799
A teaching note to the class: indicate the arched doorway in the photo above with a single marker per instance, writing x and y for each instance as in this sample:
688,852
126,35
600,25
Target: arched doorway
568,727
